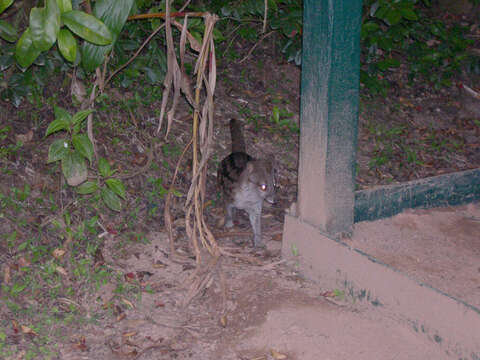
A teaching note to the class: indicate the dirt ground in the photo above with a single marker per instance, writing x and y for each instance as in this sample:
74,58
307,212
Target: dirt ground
267,312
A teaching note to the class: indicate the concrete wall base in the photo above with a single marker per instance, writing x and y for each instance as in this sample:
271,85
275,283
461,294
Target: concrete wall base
452,324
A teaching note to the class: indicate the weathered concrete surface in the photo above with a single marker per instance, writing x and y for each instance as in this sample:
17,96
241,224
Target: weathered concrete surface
443,190
451,324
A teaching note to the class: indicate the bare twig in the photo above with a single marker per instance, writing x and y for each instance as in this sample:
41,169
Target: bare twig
166,213
265,14
201,281
147,40
254,46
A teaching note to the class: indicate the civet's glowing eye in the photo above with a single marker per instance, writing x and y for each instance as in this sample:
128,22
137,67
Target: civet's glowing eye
263,187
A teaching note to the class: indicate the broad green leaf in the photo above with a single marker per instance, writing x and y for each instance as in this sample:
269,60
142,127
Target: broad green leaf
87,27
104,167
114,14
5,62
7,31
57,150
88,187
116,186
381,11
154,75
74,168
83,145
111,199
80,116
57,125
61,113
25,52
408,14
5,4
45,25
93,55
370,26
393,17
387,64
64,5
67,45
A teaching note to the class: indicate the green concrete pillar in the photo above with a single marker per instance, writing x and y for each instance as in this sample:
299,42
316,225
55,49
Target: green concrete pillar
329,113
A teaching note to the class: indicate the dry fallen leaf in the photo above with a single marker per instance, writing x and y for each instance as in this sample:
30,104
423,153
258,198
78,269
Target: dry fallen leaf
27,330
277,356
15,326
328,294
159,304
22,262
81,344
129,277
140,159
129,334
223,321
24,138
61,270
58,253
277,237
6,274
128,303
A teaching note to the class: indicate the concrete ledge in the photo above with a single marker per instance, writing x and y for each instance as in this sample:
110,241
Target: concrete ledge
449,322
443,190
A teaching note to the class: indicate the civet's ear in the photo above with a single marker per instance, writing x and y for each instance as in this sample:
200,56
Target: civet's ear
249,167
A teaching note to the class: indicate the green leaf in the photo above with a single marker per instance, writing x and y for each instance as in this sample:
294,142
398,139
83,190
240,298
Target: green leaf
67,45
104,167
116,186
381,11
45,25
408,14
114,14
74,168
387,64
61,113
57,125
57,150
7,31
111,199
25,52
93,55
80,116
88,187
64,5
87,27
393,17
17,288
5,4
276,114
177,193
370,26
83,145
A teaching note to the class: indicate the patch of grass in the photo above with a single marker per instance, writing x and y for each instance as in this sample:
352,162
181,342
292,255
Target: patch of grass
283,119
37,283
411,154
251,117
7,150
